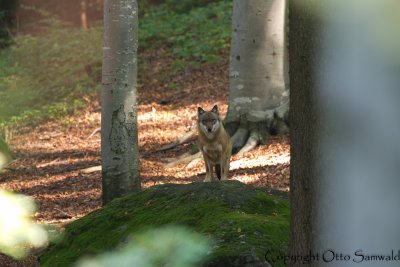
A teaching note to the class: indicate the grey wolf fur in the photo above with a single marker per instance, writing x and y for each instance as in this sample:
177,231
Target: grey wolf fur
214,143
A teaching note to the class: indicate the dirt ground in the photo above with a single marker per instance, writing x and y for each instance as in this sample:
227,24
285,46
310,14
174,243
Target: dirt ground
50,157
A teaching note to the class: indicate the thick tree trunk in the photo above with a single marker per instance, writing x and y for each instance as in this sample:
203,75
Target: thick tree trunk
258,89
258,80
304,126
119,139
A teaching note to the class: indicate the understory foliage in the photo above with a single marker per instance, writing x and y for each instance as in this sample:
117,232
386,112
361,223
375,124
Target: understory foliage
57,69
198,35
48,74
174,246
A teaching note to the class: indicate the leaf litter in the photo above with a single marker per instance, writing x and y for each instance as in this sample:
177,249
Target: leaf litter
50,157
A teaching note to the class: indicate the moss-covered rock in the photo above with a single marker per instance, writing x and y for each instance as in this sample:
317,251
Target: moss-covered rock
243,221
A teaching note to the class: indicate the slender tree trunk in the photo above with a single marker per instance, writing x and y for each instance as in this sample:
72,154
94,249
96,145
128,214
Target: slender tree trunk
8,21
84,23
119,139
5,153
304,125
258,89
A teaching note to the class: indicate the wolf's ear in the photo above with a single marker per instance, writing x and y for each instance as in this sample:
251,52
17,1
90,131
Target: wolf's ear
200,110
215,109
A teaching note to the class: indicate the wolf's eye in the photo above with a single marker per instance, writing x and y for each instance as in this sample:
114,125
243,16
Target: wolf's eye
214,121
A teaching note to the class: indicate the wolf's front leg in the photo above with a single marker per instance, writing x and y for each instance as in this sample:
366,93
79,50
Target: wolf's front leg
209,169
225,169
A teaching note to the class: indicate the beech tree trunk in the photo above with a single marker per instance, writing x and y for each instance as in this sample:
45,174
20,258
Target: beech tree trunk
258,89
119,139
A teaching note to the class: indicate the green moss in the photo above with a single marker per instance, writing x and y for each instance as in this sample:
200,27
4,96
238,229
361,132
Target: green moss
240,219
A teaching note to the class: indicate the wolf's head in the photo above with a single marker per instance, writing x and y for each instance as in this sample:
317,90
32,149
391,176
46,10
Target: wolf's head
209,121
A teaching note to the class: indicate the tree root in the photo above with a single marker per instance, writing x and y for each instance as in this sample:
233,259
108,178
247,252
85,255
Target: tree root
193,163
250,134
97,130
187,137
183,139
91,169
252,142
241,135
185,158
170,160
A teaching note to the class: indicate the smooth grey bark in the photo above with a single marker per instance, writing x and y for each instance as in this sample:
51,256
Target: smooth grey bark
119,138
258,86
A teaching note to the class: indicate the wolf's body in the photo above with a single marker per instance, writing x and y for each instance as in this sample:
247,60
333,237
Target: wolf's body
214,143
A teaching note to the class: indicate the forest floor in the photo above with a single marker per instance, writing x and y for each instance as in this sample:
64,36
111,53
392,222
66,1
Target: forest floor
50,157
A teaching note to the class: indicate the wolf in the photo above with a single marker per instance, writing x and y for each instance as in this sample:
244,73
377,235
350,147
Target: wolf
214,143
